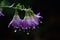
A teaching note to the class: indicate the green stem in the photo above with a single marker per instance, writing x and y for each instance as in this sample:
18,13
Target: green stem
12,7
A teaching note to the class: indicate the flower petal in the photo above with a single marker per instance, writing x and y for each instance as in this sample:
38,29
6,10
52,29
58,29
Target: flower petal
33,21
38,14
28,20
10,23
1,14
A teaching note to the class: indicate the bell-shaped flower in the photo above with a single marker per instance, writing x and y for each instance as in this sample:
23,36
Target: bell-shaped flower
36,18
15,21
32,20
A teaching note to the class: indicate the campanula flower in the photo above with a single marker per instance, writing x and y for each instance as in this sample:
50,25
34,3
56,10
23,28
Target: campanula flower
31,21
15,21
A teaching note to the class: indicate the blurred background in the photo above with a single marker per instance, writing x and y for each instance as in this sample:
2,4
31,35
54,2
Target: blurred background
48,30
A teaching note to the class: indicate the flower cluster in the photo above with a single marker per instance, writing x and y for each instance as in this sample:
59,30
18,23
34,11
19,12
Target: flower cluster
16,21
30,20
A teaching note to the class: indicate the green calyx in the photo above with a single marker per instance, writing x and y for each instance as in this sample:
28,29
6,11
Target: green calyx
29,12
16,13
19,6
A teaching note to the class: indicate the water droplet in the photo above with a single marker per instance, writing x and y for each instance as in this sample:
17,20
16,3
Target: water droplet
27,33
40,21
15,30
33,27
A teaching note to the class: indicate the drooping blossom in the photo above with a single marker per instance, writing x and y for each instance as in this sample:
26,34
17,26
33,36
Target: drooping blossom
31,21
35,20
15,21
36,17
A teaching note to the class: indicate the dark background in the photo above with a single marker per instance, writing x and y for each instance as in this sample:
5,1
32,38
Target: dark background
48,30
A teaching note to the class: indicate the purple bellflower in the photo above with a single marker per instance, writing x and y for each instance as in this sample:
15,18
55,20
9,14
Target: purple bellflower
35,20
15,21
31,21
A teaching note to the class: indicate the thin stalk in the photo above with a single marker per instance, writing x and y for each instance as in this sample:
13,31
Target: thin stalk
12,7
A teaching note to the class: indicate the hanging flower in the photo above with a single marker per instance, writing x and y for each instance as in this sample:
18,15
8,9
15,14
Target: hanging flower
15,21
36,18
30,20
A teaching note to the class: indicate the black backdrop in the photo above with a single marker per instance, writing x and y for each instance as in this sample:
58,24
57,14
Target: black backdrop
48,30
